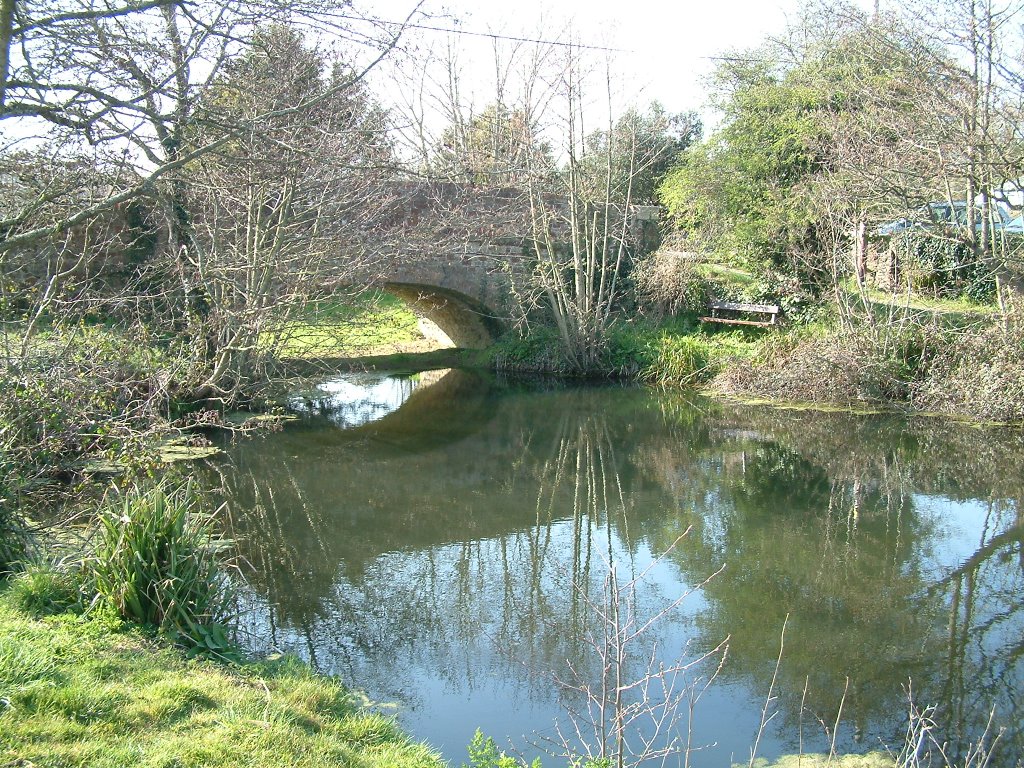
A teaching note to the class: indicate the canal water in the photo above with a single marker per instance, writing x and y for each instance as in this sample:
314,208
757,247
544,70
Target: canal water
477,553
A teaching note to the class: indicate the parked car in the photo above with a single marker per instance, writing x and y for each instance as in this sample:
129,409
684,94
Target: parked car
944,214
1014,226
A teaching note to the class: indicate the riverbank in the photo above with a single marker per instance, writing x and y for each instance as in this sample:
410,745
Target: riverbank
115,401
74,686
93,691
973,372
63,705
947,357
402,361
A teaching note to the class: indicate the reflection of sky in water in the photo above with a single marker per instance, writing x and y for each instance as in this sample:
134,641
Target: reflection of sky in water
963,526
493,669
354,399
967,528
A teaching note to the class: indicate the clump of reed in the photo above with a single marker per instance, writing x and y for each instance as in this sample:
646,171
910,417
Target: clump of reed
156,562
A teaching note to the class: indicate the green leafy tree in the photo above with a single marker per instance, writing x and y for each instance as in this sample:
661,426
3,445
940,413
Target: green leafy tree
497,146
796,164
740,191
848,122
642,149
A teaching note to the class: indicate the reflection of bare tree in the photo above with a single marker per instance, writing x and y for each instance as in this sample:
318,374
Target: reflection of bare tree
985,649
973,609
578,462
259,512
624,699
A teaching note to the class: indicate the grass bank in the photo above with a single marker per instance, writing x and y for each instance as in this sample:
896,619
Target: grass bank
677,351
907,351
949,366
399,362
93,691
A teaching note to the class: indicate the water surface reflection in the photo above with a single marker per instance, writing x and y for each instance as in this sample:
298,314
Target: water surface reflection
449,556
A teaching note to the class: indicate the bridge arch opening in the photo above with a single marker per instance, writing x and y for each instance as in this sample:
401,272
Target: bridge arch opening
450,318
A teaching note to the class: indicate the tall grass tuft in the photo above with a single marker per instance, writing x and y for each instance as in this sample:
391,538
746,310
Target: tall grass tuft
157,563
43,588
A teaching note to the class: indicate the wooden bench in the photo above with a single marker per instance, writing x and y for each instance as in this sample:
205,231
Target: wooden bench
736,313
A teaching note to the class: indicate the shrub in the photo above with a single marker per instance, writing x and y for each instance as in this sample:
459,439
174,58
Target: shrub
849,366
75,396
14,537
539,351
980,375
799,305
629,349
945,267
669,283
484,753
156,563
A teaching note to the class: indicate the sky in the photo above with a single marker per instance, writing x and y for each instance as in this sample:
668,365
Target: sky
666,48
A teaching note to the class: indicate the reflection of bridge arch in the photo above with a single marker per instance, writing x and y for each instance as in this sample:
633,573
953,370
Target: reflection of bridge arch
445,411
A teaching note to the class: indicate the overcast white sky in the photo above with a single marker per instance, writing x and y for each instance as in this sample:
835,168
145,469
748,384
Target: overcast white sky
668,45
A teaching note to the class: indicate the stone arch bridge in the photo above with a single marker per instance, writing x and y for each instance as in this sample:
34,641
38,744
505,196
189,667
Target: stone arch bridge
462,257
458,256
466,297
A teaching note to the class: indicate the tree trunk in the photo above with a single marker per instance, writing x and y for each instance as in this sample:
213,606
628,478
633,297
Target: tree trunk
6,31
861,251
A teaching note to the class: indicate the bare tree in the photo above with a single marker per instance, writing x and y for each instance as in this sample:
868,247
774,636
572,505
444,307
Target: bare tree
583,241
935,117
119,85
280,209
139,100
144,188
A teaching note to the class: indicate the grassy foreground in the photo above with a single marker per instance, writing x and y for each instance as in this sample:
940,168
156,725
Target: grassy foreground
93,692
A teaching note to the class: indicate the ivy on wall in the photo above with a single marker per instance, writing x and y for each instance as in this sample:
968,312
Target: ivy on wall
944,266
